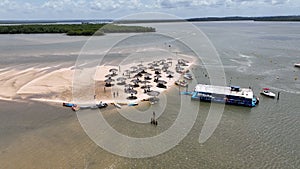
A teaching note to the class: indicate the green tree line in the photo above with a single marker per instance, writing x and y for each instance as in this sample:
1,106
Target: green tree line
73,29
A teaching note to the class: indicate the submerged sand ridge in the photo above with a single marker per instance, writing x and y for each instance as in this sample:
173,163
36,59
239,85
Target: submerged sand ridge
55,85
18,84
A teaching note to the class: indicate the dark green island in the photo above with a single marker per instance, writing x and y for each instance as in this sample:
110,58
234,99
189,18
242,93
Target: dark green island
73,29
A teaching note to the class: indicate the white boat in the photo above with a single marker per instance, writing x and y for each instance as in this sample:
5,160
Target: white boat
297,64
117,105
181,83
188,76
267,92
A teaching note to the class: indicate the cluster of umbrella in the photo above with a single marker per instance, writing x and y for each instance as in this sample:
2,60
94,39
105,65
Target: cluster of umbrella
138,72
180,64
109,80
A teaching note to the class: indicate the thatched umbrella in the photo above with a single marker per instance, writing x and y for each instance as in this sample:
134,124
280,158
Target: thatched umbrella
161,84
165,67
153,93
162,61
113,71
147,76
109,75
132,93
136,82
138,75
185,61
155,64
170,74
121,80
133,67
157,76
127,73
157,71
108,82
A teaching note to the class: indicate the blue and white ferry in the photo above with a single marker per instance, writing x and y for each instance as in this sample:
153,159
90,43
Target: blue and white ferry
229,95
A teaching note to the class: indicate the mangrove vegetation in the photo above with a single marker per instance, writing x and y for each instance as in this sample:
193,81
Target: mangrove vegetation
73,29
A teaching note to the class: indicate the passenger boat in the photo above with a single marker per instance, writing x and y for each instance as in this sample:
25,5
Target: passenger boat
267,92
182,83
233,95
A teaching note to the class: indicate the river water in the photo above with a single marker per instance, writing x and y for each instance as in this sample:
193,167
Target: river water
256,54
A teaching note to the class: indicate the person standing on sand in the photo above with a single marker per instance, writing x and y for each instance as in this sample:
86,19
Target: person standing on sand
117,94
114,94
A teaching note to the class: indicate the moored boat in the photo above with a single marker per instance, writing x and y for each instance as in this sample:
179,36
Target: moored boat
101,105
297,65
188,76
233,95
267,92
182,83
69,105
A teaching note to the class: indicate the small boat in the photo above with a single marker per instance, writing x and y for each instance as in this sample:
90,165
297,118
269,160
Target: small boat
75,108
182,83
69,105
133,104
188,76
267,92
297,64
101,105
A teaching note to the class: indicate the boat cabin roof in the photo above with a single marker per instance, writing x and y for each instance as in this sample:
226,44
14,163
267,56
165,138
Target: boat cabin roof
242,92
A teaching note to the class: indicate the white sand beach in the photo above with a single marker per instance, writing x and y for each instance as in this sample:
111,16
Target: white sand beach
55,85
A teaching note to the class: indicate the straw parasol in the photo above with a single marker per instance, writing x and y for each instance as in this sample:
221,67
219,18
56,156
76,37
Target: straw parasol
109,75
133,67
108,82
113,71
153,93
170,74
161,82
121,81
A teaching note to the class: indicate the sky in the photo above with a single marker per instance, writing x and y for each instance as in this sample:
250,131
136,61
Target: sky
114,9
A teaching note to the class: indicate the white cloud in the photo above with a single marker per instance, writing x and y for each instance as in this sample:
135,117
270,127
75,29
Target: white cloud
8,5
115,4
213,3
57,4
117,8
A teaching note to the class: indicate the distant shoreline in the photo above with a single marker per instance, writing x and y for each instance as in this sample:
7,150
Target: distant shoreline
291,18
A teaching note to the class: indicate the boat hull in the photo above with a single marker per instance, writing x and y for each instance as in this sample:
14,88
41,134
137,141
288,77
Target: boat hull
268,95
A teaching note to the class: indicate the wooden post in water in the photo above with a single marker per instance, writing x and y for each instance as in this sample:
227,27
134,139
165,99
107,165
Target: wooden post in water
278,94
